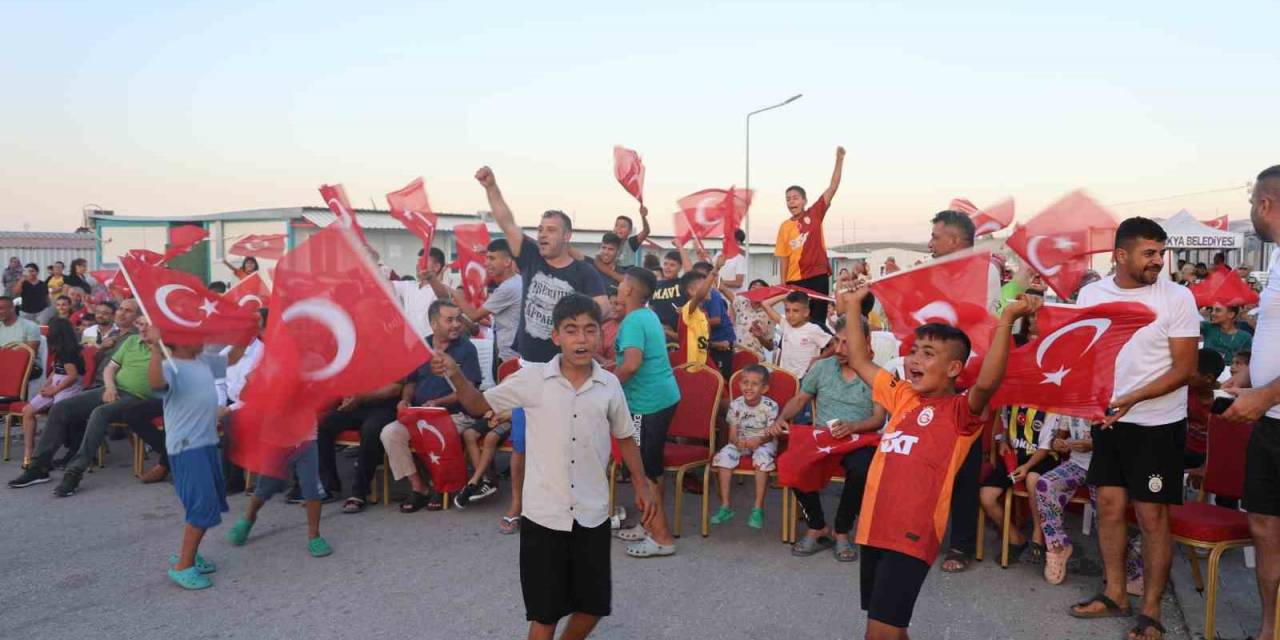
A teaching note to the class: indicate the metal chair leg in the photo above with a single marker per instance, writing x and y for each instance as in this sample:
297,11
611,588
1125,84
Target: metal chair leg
8,424
706,501
1195,568
1004,533
679,491
386,481
1211,598
978,551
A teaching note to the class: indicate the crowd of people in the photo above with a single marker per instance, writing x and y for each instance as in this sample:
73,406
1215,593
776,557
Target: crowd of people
596,339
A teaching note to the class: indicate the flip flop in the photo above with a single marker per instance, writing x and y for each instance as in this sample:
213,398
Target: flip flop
647,548
632,534
958,557
353,505
1145,624
509,525
809,545
201,565
846,551
1111,610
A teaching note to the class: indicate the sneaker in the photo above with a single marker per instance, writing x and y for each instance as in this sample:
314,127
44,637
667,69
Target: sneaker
464,497
486,489
33,475
67,488
756,519
722,515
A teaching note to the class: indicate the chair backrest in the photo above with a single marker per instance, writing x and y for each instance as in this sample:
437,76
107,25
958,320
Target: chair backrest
1224,464
507,368
783,385
743,357
695,415
16,359
90,355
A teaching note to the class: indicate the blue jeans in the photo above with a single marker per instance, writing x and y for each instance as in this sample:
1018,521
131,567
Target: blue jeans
305,463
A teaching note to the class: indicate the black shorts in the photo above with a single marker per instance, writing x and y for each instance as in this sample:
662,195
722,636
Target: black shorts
891,582
653,439
1262,469
483,428
1147,461
564,572
723,361
999,476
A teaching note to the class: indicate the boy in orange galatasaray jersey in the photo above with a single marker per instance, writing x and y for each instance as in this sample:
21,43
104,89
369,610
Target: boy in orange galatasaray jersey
908,494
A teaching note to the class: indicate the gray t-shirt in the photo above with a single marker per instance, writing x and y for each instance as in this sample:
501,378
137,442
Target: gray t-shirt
22,330
504,304
838,399
190,403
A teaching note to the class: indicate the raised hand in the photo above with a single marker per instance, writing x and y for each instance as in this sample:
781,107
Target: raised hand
484,175
839,153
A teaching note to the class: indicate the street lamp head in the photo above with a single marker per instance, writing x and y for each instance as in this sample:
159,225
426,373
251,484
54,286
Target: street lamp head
793,98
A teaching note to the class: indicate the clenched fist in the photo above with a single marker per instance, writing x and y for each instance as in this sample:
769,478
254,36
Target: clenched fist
484,175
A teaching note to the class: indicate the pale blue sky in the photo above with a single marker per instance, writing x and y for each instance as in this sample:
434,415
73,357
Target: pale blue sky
167,108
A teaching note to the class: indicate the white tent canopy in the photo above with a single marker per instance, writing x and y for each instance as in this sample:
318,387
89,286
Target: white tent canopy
1185,232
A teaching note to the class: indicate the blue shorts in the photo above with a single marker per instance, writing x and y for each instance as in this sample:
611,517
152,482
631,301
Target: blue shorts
305,463
197,479
517,430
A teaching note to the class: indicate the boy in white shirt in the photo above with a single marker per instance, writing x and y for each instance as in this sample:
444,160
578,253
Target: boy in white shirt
803,342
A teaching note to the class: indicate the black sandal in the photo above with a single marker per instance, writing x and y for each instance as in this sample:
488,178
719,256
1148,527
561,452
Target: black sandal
415,502
1145,622
1112,609
959,557
435,502
353,505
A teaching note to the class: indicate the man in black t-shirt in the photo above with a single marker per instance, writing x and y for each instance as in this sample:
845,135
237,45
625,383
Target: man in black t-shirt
35,295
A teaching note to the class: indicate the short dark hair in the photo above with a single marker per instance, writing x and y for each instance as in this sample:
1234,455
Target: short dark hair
673,255
77,262
433,311
958,221
500,246
218,286
757,281
1138,227
32,265
611,238
703,266
1210,363
572,306
946,333
1201,265
630,224
437,254
110,304
689,278
740,236
842,322
564,218
759,370
798,189
63,297
1243,354
644,279
1271,173
798,296
652,262
1219,257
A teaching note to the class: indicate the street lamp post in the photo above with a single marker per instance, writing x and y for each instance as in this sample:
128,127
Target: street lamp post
747,249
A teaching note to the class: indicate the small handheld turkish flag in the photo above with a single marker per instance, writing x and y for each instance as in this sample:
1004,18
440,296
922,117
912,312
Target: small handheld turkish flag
184,311
409,205
989,220
710,213
251,292
473,247
335,197
269,246
435,439
813,456
1224,287
182,238
1070,368
1058,241
629,171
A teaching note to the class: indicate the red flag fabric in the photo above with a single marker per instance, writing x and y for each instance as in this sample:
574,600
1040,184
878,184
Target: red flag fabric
182,238
711,213
269,246
335,197
1058,241
277,414
409,205
434,438
1224,287
989,220
811,293
184,310
629,171
813,456
473,249
1070,368
250,292
764,293
1221,223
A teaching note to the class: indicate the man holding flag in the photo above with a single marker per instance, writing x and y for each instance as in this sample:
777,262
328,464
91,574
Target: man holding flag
801,247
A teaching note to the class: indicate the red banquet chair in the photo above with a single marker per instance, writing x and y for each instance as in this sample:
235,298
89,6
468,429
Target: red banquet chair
507,368
1200,525
744,357
16,360
782,387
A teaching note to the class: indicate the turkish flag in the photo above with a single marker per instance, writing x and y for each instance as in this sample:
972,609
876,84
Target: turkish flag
251,292
813,456
473,249
1224,287
1070,368
335,197
989,220
712,212
760,294
277,413
434,438
269,246
1058,241
1221,223
182,238
629,171
409,205
184,310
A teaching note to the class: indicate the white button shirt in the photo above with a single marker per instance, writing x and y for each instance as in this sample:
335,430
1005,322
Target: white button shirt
568,439
415,298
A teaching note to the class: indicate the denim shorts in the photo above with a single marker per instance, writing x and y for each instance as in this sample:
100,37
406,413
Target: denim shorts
304,463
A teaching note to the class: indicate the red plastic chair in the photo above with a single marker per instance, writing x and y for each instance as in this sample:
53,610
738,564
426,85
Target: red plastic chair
743,357
1200,525
507,368
16,360
694,420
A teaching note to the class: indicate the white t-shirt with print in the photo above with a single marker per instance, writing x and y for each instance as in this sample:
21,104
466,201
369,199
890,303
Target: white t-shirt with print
801,345
1147,356
734,267
1264,366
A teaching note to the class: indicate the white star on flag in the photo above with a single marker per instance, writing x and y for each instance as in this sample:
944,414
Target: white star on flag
435,459
1056,377
826,450
1063,243
208,307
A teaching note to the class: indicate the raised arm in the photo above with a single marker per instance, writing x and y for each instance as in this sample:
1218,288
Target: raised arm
993,364
850,304
700,291
769,310
500,211
644,225
835,176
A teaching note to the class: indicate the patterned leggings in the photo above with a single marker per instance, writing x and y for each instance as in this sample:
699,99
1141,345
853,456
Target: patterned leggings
1054,490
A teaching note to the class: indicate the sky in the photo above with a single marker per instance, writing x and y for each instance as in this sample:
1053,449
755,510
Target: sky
169,108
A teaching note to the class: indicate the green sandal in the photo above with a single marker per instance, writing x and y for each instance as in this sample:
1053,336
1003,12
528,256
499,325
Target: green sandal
190,579
201,565
722,515
319,547
239,532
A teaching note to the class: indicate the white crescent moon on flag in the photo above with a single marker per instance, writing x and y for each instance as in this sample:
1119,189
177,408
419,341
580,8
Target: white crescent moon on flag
937,309
336,320
475,266
990,226
162,303
423,424
1033,256
700,212
1099,326
248,298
